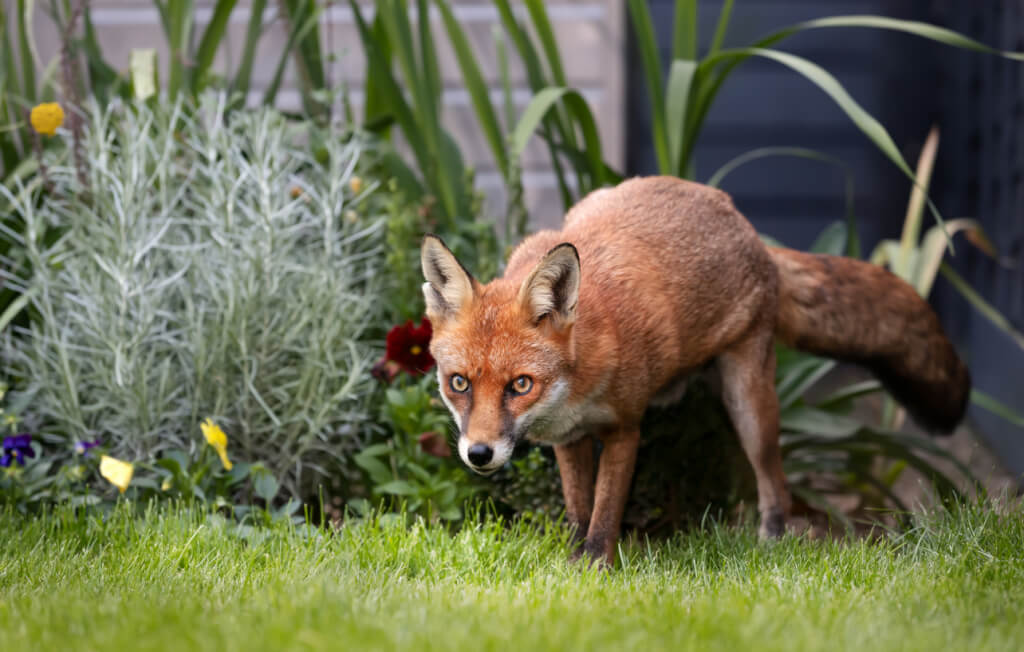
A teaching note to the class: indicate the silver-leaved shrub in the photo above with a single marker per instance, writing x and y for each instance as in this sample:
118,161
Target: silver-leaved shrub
217,264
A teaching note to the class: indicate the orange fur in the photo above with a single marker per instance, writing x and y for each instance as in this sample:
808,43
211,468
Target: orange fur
669,278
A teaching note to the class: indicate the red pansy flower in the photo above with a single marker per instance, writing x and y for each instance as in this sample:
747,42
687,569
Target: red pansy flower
408,346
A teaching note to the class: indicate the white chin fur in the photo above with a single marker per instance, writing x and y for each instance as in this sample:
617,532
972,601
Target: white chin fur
502,453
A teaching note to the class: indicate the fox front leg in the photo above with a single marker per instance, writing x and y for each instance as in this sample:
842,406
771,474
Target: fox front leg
576,467
614,474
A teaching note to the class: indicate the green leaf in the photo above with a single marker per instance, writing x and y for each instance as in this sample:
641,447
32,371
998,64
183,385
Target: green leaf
853,243
546,34
28,62
680,80
984,307
928,256
397,488
243,78
989,403
684,31
15,307
722,27
802,377
540,105
832,240
103,79
212,36
452,513
827,83
915,209
375,469
647,43
298,31
308,57
848,393
428,58
264,484
180,17
916,28
240,471
476,86
813,421
555,128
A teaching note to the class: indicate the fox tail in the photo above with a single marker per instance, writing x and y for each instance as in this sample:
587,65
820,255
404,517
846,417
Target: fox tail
857,312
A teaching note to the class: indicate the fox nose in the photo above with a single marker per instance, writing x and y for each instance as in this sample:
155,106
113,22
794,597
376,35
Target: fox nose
479,454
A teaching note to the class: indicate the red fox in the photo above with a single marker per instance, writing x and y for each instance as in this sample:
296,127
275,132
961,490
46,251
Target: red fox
647,283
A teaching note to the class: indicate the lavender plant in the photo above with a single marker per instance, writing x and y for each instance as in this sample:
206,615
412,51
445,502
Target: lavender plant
213,268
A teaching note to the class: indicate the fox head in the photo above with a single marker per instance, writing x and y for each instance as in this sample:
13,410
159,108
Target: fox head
503,350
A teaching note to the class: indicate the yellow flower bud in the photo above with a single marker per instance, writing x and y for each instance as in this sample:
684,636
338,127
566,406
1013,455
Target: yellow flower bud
45,118
215,437
355,184
119,473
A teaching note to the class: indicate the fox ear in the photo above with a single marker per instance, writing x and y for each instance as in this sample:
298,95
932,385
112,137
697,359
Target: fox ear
449,286
553,287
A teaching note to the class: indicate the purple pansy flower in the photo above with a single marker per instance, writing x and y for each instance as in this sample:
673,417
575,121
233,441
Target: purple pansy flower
16,448
82,447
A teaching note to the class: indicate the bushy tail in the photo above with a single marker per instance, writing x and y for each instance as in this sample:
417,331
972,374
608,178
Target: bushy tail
854,311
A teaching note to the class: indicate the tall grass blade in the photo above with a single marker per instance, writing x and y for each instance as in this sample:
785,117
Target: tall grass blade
308,57
477,86
928,256
508,98
853,240
208,44
916,28
996,407
982,306
28,62
542,24
915,208
827,83
647,43
104,81
377,109
297,31
684,30
253,31
428,57
721,27
180,17
544,102
680,81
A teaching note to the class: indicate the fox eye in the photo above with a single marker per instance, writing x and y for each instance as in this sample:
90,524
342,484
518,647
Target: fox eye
522,385
458,383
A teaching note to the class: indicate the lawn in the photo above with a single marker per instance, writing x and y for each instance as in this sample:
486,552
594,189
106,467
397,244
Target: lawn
177,579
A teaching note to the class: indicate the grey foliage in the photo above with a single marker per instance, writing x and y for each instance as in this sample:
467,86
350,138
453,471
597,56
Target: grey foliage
212,268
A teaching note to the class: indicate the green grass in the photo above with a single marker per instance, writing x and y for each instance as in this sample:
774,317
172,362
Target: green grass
178,580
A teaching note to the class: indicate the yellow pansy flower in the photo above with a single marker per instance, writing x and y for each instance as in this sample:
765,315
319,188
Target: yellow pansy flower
45,118
119,473
215,437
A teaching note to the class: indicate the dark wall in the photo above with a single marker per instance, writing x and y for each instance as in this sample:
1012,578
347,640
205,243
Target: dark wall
909,84
766,104
982,175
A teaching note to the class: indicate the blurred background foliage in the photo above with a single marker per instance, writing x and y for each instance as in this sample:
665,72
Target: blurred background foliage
183,250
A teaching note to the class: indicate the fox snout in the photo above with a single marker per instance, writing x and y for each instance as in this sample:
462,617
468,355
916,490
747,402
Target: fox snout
484,457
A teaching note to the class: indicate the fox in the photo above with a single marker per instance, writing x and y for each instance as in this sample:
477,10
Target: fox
648,283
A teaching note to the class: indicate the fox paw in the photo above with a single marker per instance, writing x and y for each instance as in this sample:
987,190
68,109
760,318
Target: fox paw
773,523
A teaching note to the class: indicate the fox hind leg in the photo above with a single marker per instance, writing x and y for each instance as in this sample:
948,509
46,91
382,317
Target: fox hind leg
748,391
